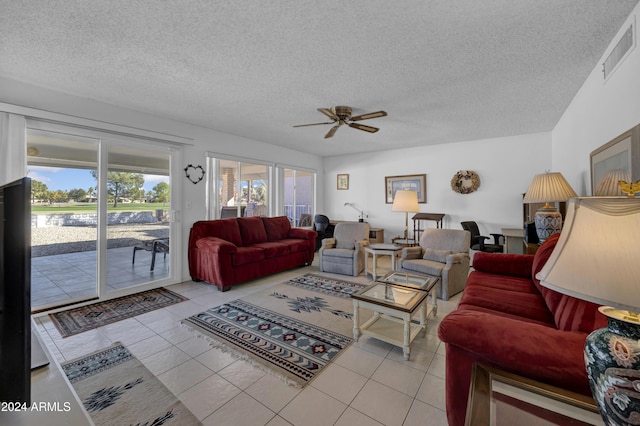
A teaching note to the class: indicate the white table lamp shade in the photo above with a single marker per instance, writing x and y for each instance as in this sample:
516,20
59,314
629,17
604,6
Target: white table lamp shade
596,257
405,201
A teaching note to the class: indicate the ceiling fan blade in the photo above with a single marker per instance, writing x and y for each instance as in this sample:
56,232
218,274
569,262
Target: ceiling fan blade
313,124
363,127
369,115
331,132
326,111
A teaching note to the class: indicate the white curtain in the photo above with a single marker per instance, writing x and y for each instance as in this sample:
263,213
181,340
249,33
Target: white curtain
13,147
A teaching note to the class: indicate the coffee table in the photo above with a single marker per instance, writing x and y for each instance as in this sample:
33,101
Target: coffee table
394,307
380,250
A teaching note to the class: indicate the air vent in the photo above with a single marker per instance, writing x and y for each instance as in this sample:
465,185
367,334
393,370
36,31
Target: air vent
618,53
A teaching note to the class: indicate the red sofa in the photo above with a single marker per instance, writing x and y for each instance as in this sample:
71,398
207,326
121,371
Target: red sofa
506,319
229,251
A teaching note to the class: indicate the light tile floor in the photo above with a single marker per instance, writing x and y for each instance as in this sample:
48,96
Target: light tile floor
369,384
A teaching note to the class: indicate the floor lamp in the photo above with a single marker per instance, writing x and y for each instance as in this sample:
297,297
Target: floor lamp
407,202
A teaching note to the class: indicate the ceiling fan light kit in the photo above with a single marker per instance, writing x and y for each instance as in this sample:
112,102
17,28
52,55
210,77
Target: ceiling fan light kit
340,115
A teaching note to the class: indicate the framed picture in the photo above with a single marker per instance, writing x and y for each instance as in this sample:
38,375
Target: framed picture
343,181
501,398
616,160
416,183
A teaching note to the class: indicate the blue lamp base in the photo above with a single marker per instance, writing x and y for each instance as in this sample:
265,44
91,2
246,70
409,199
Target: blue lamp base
612,357
548,222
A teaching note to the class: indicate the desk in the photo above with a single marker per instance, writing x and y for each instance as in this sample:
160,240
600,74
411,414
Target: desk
513,240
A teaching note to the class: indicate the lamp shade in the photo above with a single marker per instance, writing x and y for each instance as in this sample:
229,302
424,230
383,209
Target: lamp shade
608,184
596,258
405,201
549,187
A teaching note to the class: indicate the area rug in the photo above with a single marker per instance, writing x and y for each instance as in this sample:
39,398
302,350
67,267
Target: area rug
88,317
116,389
293,329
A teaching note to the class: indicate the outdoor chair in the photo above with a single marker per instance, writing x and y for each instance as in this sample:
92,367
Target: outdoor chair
160,245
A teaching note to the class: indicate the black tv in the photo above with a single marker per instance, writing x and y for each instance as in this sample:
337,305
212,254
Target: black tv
15,292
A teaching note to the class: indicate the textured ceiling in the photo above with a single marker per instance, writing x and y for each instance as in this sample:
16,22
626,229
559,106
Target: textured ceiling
444,70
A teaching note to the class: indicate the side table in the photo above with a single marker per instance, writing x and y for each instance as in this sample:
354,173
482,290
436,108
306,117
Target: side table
380,250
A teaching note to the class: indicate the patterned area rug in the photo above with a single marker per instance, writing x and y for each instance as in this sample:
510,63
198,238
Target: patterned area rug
116,389
293,329
88,317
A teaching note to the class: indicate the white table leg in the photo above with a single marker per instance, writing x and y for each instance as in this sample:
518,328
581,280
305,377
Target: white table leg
375,266
423,316
406,348
356,320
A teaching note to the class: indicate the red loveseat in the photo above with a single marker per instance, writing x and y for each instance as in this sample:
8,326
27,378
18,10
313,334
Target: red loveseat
506,319
229,251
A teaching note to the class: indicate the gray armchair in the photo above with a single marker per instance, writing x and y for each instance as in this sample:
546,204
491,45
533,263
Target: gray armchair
442,253
344,252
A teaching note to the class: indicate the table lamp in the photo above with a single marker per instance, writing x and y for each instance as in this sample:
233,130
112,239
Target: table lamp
596,259
405,201
545,188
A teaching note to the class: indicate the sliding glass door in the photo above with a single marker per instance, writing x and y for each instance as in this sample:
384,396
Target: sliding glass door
102,222
241,188
299,196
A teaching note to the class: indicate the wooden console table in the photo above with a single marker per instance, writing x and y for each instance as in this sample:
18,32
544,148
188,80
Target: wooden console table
419,217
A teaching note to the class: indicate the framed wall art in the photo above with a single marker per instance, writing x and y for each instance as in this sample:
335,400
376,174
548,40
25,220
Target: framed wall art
343,181
416,183
616,160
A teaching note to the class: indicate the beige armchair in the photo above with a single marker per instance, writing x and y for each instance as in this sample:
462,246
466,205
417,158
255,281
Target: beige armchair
442,253
344,253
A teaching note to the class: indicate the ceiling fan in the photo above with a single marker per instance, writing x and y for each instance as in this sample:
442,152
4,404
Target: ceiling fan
342,115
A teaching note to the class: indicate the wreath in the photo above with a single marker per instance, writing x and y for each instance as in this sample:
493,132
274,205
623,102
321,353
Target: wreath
465,182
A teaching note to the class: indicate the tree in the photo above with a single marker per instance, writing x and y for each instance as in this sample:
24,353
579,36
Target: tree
121,184
77,194
39,190
161,192
90,192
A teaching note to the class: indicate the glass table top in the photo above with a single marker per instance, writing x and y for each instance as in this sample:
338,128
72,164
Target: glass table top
390,295
422,282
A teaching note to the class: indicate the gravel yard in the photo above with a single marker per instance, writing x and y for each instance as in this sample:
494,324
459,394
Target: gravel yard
70,239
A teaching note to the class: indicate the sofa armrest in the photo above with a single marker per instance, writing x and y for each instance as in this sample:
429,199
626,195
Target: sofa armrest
360,245
216,245
456,258
411,253
517,265
302,234
529,349
328,243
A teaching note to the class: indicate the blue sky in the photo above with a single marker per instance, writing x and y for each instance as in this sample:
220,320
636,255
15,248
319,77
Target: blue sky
65,179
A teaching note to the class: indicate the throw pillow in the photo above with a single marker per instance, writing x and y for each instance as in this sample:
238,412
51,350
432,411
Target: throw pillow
349,245
436,255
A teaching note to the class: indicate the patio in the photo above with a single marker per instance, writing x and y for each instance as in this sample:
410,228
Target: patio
61,277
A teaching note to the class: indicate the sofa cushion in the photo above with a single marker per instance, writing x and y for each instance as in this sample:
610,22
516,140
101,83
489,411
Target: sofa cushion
226,229
542,255
277,228
338,252
252,230
349,245
422,266
273,248
517,265
295,245
526,305
246,255
436,255
505,282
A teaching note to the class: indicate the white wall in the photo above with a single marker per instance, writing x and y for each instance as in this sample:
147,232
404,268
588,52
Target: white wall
202,140
600,111
505,166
